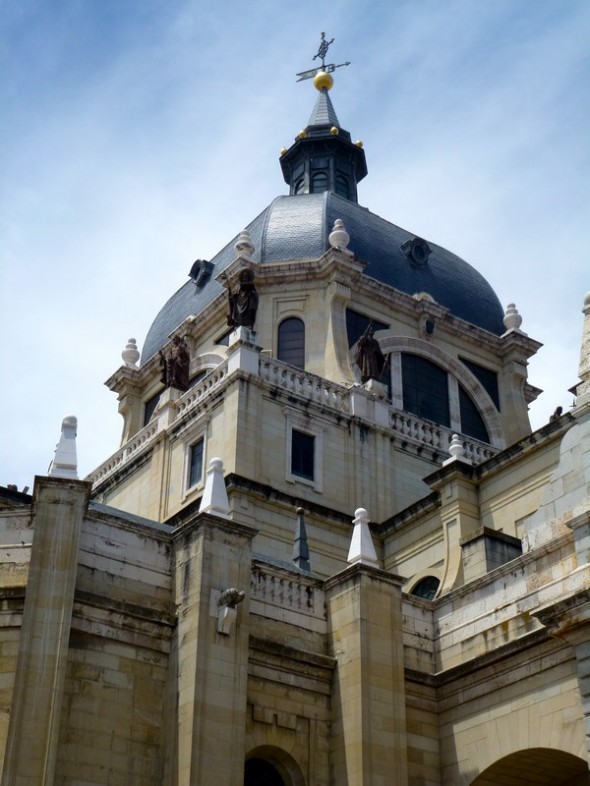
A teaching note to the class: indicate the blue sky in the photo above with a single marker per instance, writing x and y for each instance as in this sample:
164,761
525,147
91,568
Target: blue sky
139,135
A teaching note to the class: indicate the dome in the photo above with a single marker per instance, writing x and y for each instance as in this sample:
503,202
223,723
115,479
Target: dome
297,227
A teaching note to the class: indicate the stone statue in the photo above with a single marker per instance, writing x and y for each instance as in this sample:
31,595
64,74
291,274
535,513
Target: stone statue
243,304
175,365
556,415
369,357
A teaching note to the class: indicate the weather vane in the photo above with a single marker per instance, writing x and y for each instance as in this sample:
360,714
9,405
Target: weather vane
321,53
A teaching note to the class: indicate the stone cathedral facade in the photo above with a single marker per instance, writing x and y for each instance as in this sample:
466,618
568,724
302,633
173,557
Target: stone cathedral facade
329,549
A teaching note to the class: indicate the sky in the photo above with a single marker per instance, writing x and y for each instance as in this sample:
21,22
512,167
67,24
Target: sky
139,135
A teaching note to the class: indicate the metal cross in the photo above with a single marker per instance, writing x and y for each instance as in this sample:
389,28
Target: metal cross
321,53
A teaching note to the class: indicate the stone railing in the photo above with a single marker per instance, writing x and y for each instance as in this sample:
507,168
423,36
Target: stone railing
309,386
436,437
202,389
273,587
132,448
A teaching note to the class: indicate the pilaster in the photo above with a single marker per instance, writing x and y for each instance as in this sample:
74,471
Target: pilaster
369,721
459,515
58,508
212,555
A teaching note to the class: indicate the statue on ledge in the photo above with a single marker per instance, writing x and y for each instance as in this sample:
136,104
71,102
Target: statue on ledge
243,304
369,357
175,365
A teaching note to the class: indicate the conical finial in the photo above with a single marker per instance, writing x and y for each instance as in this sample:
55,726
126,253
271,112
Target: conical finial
300,547
130,354
244,246
65,461
361,545
214,499
457,451
512,319
339,237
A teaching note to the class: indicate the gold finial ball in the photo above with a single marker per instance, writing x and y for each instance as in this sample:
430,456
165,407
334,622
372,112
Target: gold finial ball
358,143
283,151
335,131
323,81
302,134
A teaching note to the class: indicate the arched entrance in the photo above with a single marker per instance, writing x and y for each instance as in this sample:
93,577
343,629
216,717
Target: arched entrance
536,767
270,766
259,772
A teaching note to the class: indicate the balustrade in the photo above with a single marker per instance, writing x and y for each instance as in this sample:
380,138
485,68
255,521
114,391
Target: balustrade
287,592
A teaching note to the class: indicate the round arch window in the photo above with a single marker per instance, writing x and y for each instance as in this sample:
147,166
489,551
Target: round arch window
426,588
259,772
291,342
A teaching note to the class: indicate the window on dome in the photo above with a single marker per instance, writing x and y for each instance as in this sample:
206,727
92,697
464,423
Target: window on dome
291,342
302,454
425,389
486,377
198,377
356,324
426,588
149,408
319,182
342,186
472,423
223,340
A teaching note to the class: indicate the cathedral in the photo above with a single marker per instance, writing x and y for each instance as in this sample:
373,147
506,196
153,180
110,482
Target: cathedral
329,550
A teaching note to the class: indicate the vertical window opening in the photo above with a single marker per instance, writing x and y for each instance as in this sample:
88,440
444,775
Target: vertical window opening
291,342
425,389
319,182
195,467
472,423
302,455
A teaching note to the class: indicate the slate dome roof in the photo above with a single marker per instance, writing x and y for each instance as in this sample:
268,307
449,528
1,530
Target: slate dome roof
297,227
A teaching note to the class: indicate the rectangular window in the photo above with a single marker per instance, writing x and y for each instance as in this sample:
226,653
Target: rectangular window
302,455
195,463
149,408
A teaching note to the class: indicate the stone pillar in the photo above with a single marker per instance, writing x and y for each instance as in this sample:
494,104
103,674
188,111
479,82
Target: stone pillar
58,508
369,715
211,556
459,515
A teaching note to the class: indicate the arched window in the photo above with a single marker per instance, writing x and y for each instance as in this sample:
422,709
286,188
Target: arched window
425,389
291,342
259,772
472,423
299,186
426,588
319,182
342,187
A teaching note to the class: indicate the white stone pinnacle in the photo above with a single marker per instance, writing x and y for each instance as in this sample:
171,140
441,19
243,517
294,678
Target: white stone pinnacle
214,499
244,246
361,548
65,461
130,354
457,451
339,237
512,319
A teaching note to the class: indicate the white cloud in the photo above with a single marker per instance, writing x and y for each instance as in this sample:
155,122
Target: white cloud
144,135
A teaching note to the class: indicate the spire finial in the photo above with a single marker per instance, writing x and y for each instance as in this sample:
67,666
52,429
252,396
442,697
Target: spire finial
321,76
